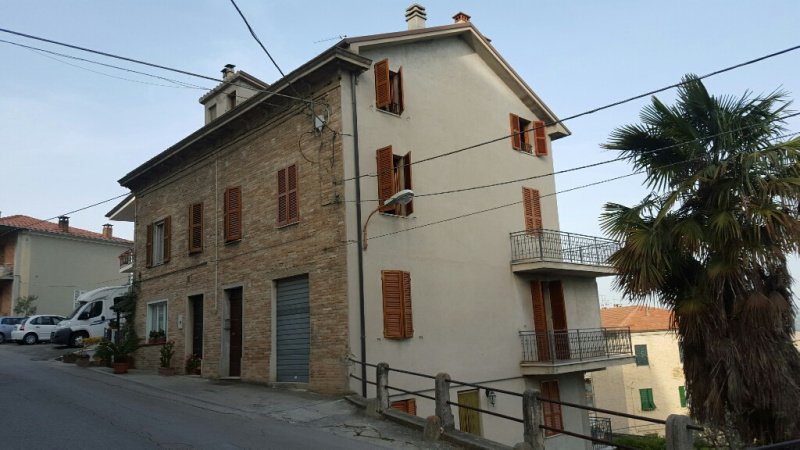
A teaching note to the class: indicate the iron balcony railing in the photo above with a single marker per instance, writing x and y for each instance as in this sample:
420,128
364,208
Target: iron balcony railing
557,246
126,258
6,270
597,343
601,429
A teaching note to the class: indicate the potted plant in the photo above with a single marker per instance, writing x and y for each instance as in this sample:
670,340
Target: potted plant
118,353
156,337
193,363
167,352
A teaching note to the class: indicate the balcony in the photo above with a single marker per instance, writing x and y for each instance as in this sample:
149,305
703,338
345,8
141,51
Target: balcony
557,253
583,350
126,261
6,271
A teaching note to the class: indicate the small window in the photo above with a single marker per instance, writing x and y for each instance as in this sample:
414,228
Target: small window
388,88
641,355
682,395
159,242
231,100
398,322
288,209
394,175
195,228
533,209
528,136
233,214
96,309
551,411
646,397
408,406
212,112
156,317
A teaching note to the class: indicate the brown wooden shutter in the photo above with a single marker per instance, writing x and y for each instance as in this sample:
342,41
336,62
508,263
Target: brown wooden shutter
400,100
149,247
516,141
167,239
411,406
383,91
551,411
540,322
408,321
196,228
233,214
283,203
540,138
293,213
385,165
533,209
392,284
407,178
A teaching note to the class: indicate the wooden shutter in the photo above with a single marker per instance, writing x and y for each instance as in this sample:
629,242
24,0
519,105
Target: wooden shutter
167,239
408,320
533,209
551,411
196,228
646,398
640,351
386,187
516,141
408,406
682,395
557,306
283,200
392,283
400,100
383,91
540,322
233,214
540,138
407,179
149,247
288,208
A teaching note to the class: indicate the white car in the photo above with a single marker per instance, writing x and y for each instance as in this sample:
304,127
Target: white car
35,329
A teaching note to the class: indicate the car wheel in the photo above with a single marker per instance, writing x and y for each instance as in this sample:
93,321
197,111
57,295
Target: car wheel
30,338
2,338
76,339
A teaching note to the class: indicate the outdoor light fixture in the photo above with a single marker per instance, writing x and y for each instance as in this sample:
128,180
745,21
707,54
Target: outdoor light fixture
491,396
399,198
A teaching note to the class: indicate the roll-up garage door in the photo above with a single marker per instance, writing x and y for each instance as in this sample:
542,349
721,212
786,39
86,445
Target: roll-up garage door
293,340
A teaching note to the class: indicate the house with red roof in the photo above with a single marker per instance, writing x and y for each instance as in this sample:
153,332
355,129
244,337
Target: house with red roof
55,262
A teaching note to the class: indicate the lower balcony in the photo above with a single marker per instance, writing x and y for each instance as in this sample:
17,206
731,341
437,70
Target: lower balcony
126,261
6,271
558,253
582,350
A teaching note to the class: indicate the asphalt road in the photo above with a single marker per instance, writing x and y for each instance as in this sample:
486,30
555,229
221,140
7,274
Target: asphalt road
49,405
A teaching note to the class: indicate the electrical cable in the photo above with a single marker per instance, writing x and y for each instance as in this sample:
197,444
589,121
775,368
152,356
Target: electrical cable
253,33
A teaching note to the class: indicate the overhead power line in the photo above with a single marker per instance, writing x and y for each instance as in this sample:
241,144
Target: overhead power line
253,33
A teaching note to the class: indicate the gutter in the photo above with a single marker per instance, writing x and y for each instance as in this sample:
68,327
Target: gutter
361,313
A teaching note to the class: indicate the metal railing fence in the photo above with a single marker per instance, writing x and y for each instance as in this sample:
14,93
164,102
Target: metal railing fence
578,344
558,246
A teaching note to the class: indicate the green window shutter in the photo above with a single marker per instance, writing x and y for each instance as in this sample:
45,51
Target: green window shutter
641,355
682,395
646,398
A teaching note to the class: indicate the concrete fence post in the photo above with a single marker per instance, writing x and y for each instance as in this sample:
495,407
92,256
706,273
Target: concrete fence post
679,436
443,410
382,381
532,418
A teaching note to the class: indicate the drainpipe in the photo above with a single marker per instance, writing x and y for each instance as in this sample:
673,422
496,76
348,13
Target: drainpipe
361,314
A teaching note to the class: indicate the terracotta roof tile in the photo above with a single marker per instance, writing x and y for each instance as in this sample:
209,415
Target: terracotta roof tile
638,318
31,223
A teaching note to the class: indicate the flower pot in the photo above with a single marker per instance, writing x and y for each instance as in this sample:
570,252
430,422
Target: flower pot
120,367
82,362
166,371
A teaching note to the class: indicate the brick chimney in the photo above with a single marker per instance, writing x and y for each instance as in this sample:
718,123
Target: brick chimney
228,72
461,18
108,231
416,16
63,224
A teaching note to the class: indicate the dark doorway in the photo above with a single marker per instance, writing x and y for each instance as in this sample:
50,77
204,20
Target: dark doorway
235,332
196,304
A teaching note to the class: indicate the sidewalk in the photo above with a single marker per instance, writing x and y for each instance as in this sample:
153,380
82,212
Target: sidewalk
335,415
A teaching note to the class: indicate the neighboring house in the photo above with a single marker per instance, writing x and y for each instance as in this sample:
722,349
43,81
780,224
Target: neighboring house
54,262
250,251
654,385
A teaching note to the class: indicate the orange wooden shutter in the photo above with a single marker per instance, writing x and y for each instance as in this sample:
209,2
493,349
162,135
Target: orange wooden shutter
149,247
411,406
540,138
233,214
196,228
407,177
283,203
383,91
386,186
533,209
540,321
551,411
167,238
392,284
291,194
400,100
516,142
408,321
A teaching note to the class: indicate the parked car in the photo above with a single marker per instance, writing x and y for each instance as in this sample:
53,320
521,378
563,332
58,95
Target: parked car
90,318
7,325
35,328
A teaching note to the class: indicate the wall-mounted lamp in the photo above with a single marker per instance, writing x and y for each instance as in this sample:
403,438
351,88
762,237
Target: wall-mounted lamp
399,198
491,396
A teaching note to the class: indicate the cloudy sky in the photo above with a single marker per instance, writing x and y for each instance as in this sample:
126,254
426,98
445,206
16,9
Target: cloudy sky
69,129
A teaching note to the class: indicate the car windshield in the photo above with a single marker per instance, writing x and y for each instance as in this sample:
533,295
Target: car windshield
75,312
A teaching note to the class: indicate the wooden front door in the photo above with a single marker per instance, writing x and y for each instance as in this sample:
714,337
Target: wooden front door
559,316
469,420
197,324
235,336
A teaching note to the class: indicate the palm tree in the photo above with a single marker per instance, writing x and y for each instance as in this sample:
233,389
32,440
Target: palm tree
710,243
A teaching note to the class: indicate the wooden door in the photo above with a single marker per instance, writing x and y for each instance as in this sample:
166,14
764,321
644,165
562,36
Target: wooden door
469,420
235,336
540,322
559,315
197,324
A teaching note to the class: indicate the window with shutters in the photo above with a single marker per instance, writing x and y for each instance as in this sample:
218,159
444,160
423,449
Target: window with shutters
408,406
388,88
533,209
233,214
641,355
398,321
682,396
646,397
195,228
551,411
394,175
159,237
288,209
528,136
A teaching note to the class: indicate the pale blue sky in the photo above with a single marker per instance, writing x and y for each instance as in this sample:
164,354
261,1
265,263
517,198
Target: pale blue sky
67,134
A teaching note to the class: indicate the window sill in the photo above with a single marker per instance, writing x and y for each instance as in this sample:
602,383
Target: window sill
523,152
388,112
235,241
398,216
286,225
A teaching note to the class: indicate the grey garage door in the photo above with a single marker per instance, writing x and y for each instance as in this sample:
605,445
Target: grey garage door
293,341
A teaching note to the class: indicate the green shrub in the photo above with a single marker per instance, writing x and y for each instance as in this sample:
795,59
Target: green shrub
648,442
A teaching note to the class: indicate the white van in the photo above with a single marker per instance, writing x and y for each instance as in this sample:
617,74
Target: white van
91,316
